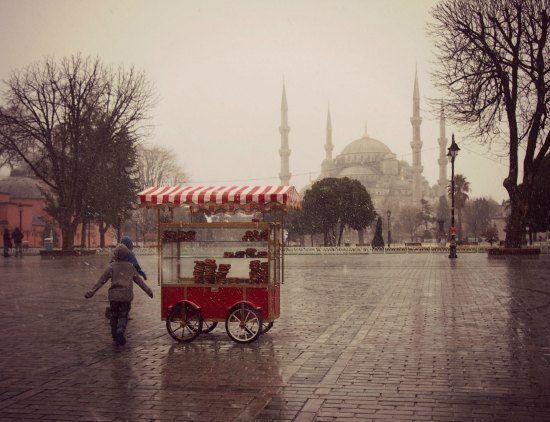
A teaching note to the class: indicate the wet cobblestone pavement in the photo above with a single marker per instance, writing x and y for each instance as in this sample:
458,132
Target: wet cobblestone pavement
395,337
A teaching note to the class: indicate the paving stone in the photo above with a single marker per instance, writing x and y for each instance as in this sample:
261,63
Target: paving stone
371,337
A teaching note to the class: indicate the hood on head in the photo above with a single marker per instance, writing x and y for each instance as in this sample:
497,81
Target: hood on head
125,240
121,253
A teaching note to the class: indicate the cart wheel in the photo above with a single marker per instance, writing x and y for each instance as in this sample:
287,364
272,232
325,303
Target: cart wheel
208,326
184,322
267,327
243,324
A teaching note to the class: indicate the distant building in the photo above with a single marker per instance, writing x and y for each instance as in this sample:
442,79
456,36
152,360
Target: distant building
22,205
391,182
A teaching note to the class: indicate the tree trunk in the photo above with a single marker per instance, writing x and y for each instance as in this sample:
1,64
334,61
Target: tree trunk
103,227
515,225
340,234
459,228
83,232
519,207
67,235
361,237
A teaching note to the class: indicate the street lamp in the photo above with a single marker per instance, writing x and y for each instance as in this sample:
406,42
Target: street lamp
389,228
453,152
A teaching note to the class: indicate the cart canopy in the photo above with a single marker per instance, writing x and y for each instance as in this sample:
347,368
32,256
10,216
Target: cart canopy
221,198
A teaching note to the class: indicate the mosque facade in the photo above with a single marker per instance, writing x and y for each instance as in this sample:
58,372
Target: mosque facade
390,181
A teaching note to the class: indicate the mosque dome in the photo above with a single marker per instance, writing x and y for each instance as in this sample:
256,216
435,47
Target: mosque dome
20,185
366,145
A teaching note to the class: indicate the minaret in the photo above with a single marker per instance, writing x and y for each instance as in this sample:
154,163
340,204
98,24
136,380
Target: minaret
284,151
442,161
416,146
326,166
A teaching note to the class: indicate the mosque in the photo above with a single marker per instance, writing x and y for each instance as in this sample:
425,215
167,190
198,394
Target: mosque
391,182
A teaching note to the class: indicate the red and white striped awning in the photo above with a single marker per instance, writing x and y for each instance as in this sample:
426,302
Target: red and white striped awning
221,198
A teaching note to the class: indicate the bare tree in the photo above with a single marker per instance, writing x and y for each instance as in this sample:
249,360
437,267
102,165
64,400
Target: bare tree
410,219
494,70
51,108
159,166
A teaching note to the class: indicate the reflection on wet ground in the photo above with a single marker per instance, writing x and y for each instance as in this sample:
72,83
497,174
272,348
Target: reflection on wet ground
411,337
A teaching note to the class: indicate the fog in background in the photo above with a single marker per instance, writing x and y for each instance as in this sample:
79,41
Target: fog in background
218,69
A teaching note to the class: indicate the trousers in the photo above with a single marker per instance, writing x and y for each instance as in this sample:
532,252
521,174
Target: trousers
119,316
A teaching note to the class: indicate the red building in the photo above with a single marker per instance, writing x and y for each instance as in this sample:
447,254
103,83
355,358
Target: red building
22,205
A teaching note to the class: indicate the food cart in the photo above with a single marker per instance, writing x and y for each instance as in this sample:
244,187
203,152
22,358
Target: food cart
218,271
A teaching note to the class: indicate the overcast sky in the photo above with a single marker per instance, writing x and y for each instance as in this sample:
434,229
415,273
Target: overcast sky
218,68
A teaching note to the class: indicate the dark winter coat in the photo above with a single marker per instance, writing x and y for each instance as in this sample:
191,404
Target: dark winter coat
123,275
17,236
7,238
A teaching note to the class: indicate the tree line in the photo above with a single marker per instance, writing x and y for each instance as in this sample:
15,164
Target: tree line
332,205
494,73
77,125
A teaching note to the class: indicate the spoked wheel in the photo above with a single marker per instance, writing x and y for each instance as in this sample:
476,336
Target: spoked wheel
266,327
243,324
208,326
184,322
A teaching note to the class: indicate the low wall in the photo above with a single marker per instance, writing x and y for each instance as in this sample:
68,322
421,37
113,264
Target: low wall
362,250
330,250
137,251
327,250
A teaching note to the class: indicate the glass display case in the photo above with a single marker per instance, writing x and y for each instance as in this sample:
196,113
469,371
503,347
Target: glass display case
228,254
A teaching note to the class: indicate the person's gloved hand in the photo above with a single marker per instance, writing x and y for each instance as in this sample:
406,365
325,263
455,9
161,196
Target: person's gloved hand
151,295
88,294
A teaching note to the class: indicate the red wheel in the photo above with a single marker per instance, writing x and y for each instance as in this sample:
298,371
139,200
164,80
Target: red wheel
208,326
184,322
243,324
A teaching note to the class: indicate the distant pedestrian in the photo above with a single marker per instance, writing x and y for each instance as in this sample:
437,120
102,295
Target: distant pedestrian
17,237
7,243
123,275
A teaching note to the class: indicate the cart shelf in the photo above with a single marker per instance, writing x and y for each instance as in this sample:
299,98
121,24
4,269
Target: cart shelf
189,282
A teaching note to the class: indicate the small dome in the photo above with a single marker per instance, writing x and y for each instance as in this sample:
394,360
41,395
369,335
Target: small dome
19,186
366,145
